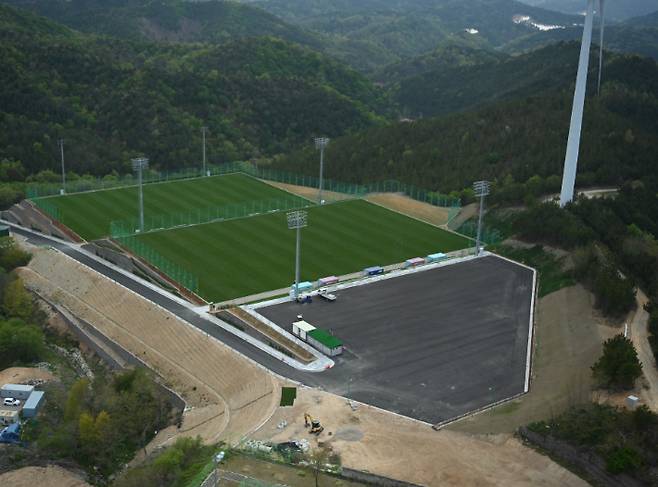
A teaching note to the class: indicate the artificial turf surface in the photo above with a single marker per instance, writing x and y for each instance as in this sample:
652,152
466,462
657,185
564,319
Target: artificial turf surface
241,257
90,214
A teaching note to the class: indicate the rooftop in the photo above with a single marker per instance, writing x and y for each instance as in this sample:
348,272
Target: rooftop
325,338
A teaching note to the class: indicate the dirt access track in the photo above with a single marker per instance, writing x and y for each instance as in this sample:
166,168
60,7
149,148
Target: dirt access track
233,397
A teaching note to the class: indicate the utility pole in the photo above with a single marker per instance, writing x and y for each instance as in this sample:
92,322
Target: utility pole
60,142
482,189
297,220
321,143
139,164
203,132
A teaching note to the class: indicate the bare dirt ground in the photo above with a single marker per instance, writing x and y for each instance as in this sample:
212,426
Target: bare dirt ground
52,476
230,397
397,202
639,333
228,394
309,193
22,375
467,212
568,340
423,211
389,445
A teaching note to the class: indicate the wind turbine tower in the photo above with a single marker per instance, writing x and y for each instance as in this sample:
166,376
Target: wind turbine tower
573,143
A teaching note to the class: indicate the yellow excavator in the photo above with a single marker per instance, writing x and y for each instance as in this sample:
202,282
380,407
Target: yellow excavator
316,427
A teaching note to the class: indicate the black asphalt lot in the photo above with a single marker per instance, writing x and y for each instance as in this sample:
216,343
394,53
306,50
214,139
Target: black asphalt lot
431,345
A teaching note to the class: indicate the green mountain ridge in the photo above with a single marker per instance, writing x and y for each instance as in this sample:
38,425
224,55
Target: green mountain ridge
168,20
516,139
111,99
407,28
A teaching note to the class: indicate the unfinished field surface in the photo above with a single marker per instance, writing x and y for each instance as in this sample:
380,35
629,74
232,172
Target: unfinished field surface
431,345
251,255
90,214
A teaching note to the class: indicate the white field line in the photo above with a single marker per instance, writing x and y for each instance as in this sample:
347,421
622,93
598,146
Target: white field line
531,323
204,315
146,183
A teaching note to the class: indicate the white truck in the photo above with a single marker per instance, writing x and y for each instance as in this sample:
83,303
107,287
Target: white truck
325,294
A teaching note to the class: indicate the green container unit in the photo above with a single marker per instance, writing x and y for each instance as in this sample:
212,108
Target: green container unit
326,343
4,231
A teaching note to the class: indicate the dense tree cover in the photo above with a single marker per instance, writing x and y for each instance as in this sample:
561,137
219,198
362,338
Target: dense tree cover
626,440
174,467
100,423
618,367
457,51
615,10
371,33
110,99
652,309
509,142
168,20
451,88
637,39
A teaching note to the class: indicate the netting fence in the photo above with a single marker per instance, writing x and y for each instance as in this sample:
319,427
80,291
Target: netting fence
86,184
165,221
49,209
174,271
490,236
356,190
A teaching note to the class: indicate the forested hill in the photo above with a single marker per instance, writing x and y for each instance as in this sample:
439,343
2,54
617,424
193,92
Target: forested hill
372,33
110,99
452,88
632,37
168,20
518,139
456,51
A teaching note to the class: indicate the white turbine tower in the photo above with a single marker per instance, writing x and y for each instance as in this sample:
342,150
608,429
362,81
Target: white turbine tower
573,143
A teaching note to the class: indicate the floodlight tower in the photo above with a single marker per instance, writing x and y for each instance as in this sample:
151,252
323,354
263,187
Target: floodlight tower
321,143
60,142
203,134
139,164
482,189
297,220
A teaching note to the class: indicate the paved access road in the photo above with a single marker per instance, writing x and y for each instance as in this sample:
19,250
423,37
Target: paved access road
432,345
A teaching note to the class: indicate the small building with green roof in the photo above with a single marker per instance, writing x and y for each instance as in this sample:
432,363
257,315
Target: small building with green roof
325,342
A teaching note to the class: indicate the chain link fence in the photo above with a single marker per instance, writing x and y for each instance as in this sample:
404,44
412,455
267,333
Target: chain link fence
174,271
123,228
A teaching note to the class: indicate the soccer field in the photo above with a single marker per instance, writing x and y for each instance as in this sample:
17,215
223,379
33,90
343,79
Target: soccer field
90,214
250,255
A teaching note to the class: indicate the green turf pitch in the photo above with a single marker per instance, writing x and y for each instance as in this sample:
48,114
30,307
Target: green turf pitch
251,255
90,214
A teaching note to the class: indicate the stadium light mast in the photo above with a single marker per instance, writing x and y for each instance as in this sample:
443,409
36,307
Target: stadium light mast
321,143
139,164
60,142
203,134
297,220
482,189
